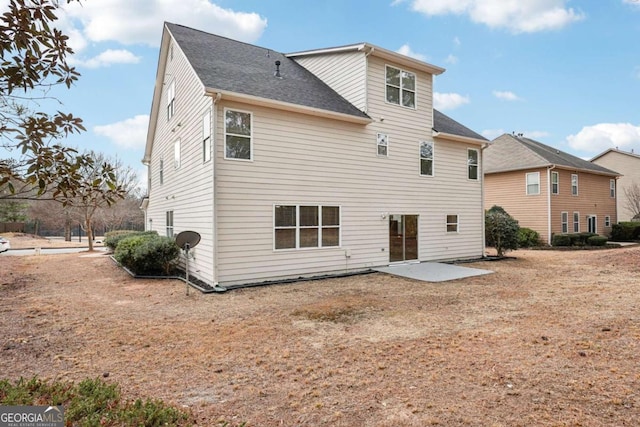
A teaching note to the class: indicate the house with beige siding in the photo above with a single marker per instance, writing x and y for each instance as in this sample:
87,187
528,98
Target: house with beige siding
628,164
548,190
306,164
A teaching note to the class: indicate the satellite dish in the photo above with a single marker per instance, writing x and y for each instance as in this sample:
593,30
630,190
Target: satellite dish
187,240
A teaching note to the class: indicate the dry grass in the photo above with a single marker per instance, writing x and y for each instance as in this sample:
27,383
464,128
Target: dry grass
28,241
551,339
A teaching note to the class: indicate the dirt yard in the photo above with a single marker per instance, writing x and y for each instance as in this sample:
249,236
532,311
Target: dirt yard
550,339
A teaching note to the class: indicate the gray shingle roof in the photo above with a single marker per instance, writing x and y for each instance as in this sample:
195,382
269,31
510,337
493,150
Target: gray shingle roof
509,153
445,124
234,66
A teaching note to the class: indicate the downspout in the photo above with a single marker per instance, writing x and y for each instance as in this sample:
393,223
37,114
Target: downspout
214,149
549,203
484,240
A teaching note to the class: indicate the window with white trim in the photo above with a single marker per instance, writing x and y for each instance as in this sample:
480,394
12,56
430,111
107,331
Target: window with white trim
169,223
400,87
426,158
533,183
612,188
238,141
607,221
574,184
206,136
555,183
161,170
564,220
452,223
383,144
576,222
171,98
176,154
306,226
472,163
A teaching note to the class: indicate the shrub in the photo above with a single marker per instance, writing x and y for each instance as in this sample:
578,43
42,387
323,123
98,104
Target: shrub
501,230
112,238
528,238
581,239
625,231
126,248
597,241
155,256
561,240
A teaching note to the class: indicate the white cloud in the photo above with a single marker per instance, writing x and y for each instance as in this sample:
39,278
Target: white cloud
518,16
107,58
456,41
449,101
506,95
451,59
140,21
599,137
130,133
405,49
632,2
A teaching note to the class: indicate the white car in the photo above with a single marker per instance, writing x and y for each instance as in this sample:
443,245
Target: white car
4,244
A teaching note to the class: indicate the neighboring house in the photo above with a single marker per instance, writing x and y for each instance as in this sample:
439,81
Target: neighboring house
628,164
306,164
548,190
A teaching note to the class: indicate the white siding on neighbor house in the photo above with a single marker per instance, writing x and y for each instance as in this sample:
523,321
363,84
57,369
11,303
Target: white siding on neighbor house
343,72
300,159
187,191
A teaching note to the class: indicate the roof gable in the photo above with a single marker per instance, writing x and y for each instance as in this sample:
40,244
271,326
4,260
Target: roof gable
509,153
228,65
616,151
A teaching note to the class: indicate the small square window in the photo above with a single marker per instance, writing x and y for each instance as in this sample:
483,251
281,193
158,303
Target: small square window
452,223
383,144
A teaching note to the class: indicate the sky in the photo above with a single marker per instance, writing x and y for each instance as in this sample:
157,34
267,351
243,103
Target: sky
565,73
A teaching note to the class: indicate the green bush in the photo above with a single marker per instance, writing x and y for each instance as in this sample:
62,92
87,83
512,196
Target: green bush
126,247
501,230
581,239
112,238
528,238
155,256
597,241
92,403
625,231
561,240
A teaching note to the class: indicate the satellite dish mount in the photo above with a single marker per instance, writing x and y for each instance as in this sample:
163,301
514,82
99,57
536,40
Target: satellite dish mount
187,240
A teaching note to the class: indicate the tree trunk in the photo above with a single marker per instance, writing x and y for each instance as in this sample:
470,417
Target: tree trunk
89,231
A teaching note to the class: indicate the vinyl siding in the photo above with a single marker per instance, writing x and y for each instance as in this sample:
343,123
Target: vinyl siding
593,199
299,159
628,165
343,72
186,191
509,190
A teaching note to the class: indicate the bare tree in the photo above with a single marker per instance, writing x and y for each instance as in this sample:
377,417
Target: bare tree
632,199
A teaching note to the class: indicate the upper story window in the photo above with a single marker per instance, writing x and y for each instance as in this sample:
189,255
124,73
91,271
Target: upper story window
171,99
612,188
574,184
555,183
383,144
401,87
472,164
426,158
206,136
237,135
533,183
176,154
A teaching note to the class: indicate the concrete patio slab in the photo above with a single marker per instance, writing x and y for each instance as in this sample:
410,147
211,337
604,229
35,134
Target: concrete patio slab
432,271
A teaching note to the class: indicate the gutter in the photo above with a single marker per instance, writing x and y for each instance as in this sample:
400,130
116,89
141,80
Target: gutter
214,119
484,240
549,169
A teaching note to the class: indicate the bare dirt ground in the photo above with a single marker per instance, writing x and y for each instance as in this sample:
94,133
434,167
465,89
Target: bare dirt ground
550,339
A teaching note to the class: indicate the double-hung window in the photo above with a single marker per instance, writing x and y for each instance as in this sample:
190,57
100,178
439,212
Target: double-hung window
564,219
607,221
533,183
452,223
237,135
612,188
169,223
206,136
400,87
574,184
171,99
306,226
472,164
383,144
426,158
576,222
555,183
